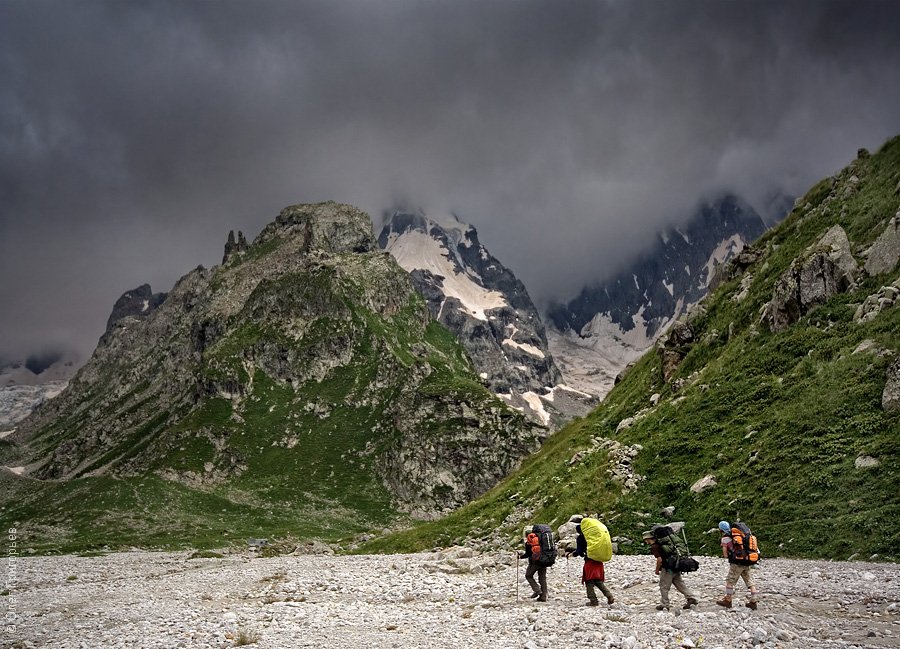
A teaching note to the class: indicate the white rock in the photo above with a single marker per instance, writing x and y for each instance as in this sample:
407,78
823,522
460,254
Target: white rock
704,484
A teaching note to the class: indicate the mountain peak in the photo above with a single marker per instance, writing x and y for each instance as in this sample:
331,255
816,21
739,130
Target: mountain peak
328,227
471,293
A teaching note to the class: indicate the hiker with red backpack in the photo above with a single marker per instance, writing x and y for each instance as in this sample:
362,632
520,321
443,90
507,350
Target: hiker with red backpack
740,548
540,550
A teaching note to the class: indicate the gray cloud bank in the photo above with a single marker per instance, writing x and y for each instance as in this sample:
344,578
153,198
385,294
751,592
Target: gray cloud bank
133,136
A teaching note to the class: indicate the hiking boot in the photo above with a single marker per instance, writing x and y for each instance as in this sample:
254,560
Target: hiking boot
535,594
751,605
725,601
593,602
691,602
662,607
542,598
610,599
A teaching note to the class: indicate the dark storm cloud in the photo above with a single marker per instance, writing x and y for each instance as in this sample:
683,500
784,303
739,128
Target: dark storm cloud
133,136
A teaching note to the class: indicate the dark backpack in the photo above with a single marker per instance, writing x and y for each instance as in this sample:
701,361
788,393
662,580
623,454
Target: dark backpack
676,555
547,554
744,549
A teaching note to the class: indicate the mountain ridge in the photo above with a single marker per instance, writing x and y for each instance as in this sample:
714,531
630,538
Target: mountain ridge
301,377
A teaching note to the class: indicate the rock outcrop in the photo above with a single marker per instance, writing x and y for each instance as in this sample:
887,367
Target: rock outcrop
234,248
136,303
884,254
674,346
825,269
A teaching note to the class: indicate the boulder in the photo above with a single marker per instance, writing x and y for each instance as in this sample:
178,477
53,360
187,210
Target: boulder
824,269
885,252
890,398
704,484
866,461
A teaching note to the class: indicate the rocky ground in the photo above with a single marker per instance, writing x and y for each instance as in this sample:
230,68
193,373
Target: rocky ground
450,599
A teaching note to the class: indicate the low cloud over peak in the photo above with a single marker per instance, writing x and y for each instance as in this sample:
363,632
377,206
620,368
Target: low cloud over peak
134,136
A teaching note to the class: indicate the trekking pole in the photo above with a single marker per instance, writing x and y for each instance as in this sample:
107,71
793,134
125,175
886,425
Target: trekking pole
516,554
684,536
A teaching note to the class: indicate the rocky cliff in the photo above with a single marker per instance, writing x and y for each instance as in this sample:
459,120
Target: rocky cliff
305,369
476,297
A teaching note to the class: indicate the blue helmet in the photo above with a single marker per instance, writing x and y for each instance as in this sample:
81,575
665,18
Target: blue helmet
725,527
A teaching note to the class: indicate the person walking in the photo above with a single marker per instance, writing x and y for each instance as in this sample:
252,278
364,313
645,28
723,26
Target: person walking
593,573
667,576
535,563
740,548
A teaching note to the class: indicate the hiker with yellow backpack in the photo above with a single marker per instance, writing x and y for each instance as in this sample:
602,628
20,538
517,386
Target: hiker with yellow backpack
593,543
740,548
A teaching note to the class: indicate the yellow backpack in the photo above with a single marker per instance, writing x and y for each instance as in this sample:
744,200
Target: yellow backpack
599,544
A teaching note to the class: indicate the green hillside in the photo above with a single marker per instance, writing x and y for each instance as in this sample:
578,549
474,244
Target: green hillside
779,419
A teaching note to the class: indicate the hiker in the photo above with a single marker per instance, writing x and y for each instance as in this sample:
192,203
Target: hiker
592,574
740,548
667,576
540,551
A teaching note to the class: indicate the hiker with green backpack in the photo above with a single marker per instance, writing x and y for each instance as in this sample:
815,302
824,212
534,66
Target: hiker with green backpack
672,559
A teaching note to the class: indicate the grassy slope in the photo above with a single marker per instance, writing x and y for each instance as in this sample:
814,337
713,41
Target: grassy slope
779,419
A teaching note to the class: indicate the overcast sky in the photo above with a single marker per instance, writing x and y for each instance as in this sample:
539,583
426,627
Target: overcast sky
134,135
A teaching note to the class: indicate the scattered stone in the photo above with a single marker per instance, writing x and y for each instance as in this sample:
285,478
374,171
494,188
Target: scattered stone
164,600
865,462
704,484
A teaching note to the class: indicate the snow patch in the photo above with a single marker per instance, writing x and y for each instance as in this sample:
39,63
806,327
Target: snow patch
551,392
146,306
686,238
534,400
18,470
525,347
416,250
722,253
636,285
7,433
669,287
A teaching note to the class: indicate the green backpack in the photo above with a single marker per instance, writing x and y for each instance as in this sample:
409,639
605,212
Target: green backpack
676,555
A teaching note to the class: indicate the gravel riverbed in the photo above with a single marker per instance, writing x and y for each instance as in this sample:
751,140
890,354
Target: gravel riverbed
454,598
